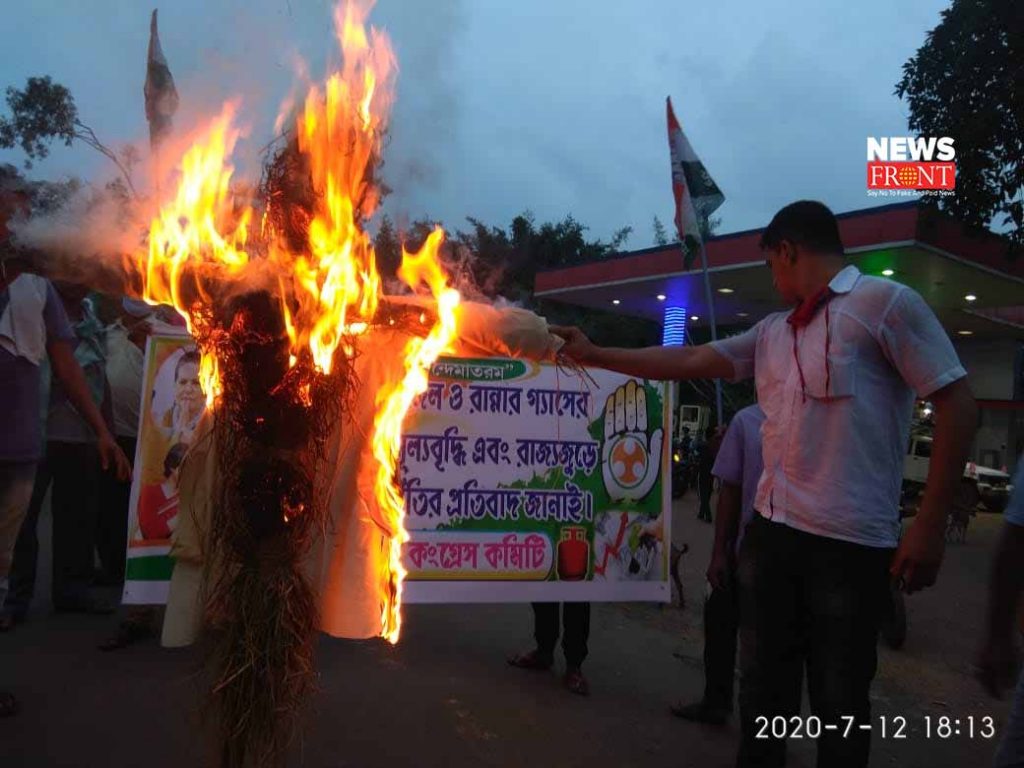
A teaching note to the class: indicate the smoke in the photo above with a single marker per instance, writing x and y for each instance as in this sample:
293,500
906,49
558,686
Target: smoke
269,57
80,234
424,123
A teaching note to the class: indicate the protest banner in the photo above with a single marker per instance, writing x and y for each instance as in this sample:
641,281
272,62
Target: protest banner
522,482
527,482
172,402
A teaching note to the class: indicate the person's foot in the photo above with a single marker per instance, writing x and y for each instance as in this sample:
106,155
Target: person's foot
534,660
701,712
8,705
575,682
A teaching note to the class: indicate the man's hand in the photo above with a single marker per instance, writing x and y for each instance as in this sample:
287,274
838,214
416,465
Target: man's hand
719,571
917,561
997,663
112,457
577,345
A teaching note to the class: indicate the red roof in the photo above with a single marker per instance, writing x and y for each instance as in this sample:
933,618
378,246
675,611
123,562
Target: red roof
870,227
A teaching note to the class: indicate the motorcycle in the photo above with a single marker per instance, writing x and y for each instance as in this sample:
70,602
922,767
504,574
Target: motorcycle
681,469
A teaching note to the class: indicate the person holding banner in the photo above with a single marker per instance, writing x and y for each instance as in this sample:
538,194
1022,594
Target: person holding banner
836,377
576,626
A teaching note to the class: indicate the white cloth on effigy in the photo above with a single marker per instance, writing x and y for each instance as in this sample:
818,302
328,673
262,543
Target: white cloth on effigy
346,564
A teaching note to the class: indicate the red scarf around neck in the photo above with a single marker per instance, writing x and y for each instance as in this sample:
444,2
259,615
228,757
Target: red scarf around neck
800,318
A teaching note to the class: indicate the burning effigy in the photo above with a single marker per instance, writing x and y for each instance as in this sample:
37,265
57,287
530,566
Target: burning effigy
291,520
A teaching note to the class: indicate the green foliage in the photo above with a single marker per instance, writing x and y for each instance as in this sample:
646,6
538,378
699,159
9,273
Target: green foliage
619,238
660,235
708,226
45,111
388,248
967,82
503,262
40,113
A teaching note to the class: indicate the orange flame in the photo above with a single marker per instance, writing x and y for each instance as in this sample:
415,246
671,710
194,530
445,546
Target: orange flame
393,404
201,224
330,291
337,287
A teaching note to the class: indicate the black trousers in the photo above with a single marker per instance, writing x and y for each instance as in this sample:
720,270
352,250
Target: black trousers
808,602
721,624
74,471
705,485
112,519
576,623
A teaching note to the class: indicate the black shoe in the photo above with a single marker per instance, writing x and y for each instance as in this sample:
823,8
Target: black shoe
533,660
575,682
701,712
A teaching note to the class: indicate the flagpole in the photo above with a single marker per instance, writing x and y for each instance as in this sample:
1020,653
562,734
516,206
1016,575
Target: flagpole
708,297
687,171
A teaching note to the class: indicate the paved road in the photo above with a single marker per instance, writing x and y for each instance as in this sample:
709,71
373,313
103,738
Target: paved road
444,696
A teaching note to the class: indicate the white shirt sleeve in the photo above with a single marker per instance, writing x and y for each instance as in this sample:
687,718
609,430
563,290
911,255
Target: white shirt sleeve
917,345
740,350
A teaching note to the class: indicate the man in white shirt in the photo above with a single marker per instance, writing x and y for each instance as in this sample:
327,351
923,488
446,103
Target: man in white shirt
836,378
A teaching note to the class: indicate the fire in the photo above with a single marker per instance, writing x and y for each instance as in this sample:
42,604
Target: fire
201,224
393,404
337,287
330,290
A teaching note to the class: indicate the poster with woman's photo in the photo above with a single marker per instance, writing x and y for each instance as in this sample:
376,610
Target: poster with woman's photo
172,403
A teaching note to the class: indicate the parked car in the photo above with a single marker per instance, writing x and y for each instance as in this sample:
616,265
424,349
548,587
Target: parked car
986,485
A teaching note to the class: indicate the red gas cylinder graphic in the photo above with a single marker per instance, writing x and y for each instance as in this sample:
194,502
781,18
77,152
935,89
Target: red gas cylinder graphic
573,553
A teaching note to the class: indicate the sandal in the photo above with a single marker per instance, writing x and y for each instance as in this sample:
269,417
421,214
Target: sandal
8,704
128,633
533,660
575,682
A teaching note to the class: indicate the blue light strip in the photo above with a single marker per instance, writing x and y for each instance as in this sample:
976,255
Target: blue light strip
674,327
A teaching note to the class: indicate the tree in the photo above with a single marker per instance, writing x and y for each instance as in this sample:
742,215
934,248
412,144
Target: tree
708,226
660,235
488,262
387,248
619,238
45,111
967,82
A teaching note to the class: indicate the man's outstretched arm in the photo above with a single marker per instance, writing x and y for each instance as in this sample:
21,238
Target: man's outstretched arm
663,363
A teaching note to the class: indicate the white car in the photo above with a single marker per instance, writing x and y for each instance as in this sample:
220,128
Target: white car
989,486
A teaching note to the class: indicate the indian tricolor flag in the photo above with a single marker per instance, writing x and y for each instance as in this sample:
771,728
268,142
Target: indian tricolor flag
697,196
159,91
147,573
